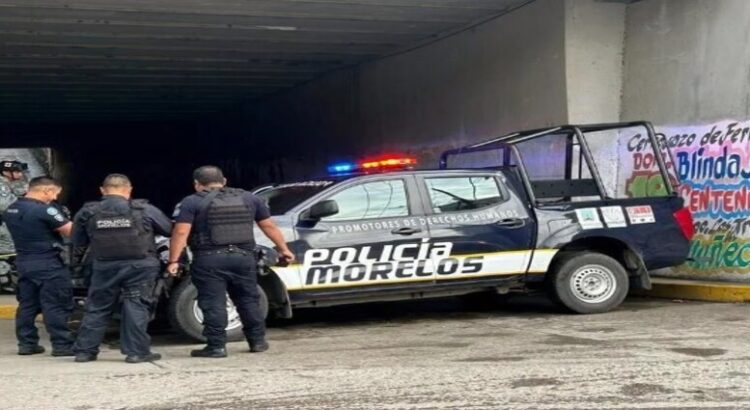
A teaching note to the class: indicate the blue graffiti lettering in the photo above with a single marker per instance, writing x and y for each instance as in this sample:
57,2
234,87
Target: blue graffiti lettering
696,166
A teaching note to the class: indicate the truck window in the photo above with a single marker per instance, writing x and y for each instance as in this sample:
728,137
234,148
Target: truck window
379,199
283,198
557,169
448,194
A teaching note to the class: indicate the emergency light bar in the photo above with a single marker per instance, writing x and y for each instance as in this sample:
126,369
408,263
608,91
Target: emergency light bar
389,162
375,164
342,168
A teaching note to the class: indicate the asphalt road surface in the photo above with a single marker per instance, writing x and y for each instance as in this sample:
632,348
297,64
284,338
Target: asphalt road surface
649,354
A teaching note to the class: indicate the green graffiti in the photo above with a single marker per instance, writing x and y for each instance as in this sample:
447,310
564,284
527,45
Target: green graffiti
644,184
720,252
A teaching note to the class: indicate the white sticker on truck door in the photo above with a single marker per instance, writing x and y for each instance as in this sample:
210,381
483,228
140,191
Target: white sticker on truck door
613,216
642,214
589,218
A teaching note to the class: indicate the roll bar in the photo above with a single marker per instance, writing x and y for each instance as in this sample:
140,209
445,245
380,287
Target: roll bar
507,143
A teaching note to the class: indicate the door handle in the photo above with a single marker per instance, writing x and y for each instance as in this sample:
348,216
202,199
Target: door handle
406,231
511,223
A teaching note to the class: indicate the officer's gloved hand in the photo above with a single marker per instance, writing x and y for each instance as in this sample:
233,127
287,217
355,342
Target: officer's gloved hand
62,208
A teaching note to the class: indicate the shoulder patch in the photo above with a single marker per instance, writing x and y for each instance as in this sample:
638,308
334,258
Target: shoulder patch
52,211
176,211
59,218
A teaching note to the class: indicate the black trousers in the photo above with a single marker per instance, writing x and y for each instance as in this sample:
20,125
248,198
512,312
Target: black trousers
133,281
215,276
49,292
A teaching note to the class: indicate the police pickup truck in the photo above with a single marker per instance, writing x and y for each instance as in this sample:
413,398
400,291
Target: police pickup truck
527,211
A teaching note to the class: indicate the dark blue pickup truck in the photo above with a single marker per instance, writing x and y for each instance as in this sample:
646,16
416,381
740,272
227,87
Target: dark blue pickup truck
527,211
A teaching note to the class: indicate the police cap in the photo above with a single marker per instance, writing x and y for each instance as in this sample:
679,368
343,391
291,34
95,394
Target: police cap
13,166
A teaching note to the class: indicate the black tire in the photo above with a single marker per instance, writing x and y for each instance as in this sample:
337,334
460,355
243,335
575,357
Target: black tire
589,282
182,316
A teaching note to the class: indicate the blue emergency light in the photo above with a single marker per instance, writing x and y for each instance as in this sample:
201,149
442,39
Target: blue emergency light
341,168
382,163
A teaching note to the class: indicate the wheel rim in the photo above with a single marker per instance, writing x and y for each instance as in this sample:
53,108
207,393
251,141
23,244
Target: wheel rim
593,283
233,318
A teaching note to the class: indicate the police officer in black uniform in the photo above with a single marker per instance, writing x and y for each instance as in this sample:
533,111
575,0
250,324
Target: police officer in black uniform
218,223
120,235
44,283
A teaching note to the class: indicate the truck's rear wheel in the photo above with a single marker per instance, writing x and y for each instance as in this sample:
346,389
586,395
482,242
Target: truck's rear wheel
589,282
187,318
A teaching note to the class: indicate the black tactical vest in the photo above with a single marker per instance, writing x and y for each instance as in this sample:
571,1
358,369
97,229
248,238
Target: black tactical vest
223,219
120,234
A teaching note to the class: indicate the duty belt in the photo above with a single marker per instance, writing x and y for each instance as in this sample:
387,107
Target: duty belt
231,249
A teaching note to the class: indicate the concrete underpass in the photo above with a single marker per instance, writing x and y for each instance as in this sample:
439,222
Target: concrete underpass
153,89
275,90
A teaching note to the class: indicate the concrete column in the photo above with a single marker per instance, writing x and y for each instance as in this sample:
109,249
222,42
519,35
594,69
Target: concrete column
594,40
686,62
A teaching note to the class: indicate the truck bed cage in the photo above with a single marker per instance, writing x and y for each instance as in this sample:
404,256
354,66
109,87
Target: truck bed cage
568,187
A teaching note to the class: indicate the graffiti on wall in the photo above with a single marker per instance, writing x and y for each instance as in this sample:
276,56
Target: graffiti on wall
713,164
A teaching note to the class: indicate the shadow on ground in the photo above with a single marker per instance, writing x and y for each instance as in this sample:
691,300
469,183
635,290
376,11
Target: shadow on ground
398,313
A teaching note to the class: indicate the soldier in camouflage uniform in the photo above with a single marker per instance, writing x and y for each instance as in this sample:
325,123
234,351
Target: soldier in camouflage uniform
13,185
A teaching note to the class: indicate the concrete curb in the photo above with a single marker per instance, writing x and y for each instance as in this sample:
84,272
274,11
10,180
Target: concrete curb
698,290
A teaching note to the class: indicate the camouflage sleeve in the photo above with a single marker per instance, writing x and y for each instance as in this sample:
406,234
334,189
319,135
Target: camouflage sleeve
6,195
19,188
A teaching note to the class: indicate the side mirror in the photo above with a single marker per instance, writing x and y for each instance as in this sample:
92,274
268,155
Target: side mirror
322,209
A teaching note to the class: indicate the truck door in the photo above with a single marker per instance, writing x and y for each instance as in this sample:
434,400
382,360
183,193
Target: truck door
373,240
487,227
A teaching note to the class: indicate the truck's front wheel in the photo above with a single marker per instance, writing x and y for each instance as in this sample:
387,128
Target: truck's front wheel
589,282
187,318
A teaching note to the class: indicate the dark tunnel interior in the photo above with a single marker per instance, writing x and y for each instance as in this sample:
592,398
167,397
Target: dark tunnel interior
158,157
155,89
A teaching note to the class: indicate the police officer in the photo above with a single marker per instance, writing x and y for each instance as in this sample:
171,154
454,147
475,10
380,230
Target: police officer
120,235
12,186
217,221
44,283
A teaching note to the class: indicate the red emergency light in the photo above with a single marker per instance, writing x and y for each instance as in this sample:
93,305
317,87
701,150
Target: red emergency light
388,162
382,163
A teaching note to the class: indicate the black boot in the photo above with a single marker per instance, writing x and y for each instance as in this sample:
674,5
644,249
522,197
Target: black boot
134,358
212,352
85,357
259,347
64,352
29,350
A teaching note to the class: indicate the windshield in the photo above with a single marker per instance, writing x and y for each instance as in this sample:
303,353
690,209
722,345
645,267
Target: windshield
282,198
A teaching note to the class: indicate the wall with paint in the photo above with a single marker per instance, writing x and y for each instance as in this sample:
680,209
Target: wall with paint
712,163
683,66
